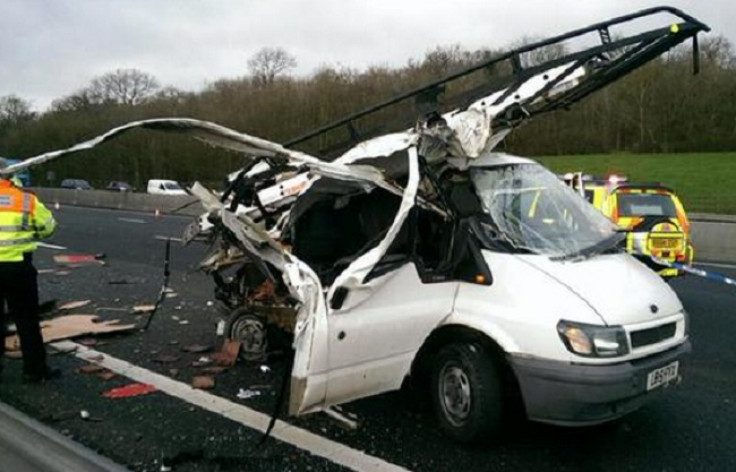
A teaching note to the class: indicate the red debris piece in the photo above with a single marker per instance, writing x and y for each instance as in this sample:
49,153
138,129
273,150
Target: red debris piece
130,390
77,259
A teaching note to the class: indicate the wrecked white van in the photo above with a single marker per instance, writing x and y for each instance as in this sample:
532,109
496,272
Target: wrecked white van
514,288
426,257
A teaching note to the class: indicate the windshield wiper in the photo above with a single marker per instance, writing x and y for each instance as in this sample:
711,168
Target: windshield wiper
594,249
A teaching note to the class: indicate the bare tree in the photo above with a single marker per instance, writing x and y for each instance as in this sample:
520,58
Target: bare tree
123,86
81,100
268,63
14,109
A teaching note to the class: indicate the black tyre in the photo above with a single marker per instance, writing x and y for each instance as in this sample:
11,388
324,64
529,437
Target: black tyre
250,330
467,394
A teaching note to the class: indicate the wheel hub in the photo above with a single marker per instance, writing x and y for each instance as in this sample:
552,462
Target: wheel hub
455,394
251,333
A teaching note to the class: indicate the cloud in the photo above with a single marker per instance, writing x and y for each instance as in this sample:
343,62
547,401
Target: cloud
51,49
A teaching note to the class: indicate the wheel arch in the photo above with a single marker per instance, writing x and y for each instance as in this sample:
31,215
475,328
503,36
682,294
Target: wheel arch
421,367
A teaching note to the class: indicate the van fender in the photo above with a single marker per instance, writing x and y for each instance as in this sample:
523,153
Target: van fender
483,324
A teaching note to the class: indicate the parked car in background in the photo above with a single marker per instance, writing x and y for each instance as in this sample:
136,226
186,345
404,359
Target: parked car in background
165,187
76,184
120,186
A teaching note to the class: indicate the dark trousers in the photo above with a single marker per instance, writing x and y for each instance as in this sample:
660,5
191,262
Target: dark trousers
19,299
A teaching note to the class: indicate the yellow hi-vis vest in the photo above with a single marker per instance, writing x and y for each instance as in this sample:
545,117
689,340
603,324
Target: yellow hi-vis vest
23,220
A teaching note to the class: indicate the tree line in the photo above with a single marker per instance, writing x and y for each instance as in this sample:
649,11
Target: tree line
662,107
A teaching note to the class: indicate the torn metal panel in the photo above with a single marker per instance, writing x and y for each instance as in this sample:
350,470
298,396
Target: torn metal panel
356,272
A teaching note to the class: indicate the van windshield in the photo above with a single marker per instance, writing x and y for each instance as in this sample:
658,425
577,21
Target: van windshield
171,186
536,212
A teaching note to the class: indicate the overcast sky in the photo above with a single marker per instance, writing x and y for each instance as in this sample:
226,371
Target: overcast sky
51,48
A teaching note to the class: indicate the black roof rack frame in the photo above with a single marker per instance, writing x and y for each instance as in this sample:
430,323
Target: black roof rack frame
605,63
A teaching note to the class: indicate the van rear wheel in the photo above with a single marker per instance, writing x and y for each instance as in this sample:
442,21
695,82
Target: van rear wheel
467,394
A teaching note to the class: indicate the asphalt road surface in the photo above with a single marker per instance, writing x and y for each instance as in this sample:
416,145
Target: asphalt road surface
691,427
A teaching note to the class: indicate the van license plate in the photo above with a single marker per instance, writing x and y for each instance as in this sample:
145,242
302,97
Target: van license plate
662,375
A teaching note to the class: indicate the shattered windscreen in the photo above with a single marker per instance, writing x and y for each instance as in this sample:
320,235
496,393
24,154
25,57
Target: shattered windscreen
536,212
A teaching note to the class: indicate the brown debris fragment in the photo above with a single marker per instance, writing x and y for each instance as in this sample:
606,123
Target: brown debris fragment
71,326
215,369
88,342
74,304
229,353
203,382
107,375
91,369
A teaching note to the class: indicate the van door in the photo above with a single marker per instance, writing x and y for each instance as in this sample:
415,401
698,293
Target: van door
314,366
376,332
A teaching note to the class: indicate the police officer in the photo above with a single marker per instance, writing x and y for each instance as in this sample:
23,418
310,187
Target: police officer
23,220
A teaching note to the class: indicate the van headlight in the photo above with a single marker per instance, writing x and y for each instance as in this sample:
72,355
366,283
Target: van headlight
593,340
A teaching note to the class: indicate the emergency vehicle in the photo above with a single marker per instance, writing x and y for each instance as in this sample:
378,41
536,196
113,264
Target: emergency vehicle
652,215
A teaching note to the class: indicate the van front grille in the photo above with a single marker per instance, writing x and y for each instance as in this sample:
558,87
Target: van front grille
654,335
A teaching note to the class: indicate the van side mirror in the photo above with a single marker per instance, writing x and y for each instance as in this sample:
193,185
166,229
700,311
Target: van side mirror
338,298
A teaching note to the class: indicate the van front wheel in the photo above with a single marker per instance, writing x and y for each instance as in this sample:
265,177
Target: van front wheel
466,392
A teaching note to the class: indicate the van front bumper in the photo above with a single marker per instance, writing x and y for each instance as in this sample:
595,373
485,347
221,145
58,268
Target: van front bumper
578,395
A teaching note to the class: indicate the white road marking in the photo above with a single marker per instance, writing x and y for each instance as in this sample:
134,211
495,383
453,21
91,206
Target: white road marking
164,238
51,246
131,220
713,264
317,445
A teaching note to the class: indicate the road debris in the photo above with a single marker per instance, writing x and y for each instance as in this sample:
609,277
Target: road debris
71,326
107,375
229,353
247,394
73,305
91,369
265,369
203,382
202,362
215,369
197,348
341,418
140,309
130,390
79,260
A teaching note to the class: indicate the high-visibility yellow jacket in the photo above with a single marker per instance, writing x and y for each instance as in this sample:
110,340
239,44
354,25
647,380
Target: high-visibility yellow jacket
23,220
